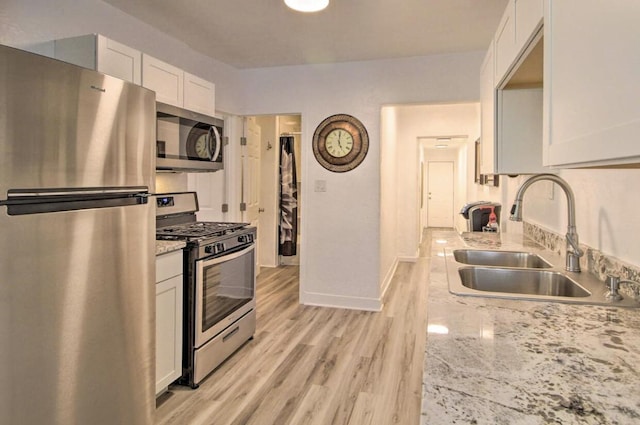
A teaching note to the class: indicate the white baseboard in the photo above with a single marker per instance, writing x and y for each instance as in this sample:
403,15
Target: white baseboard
340,301
408,259
386,283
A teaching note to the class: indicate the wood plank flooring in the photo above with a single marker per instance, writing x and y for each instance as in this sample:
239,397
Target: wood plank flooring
316,365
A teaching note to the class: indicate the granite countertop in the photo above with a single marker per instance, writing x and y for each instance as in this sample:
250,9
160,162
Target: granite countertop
497,361
163,247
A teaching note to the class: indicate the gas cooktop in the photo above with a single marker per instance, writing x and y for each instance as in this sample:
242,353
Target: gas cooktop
197,230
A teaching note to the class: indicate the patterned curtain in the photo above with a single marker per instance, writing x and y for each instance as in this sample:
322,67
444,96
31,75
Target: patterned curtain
288,197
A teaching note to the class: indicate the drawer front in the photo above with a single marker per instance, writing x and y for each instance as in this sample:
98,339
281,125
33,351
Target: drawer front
168,265
210,355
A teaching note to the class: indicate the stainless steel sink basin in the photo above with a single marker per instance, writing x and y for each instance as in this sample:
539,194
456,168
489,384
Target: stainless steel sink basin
520,275
480,257
521,281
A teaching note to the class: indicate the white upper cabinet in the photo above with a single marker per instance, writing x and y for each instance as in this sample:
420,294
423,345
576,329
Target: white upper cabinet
487,113
505,42
592,64
519,132
511,98
177,87
165,79
529,17
199,95
97,52
521,20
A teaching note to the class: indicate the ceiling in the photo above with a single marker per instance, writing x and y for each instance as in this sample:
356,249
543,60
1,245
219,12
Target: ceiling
265,33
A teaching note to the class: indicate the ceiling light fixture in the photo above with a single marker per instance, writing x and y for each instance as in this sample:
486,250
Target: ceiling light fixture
441,146
307,5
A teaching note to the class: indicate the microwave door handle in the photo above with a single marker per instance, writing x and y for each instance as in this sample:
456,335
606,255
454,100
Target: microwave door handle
218,140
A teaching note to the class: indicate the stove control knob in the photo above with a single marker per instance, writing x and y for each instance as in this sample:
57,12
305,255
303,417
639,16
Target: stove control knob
214,248
245,238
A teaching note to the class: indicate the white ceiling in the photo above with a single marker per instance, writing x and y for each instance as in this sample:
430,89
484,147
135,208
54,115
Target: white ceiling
263,33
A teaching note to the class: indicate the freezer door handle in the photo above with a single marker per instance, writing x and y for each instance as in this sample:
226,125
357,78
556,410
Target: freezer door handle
47,201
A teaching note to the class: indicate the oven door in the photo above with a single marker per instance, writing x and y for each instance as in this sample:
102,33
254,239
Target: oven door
225,291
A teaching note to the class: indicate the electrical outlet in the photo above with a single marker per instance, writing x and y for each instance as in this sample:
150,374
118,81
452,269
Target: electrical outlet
320,186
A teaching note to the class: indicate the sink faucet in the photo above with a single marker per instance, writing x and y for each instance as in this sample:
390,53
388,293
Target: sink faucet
573,247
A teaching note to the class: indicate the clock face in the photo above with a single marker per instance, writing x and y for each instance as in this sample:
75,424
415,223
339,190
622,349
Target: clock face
339,143
201,146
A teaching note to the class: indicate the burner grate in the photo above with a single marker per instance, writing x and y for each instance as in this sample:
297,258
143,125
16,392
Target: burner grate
198,229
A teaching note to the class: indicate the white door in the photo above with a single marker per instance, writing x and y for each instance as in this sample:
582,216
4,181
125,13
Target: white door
251,177
440,194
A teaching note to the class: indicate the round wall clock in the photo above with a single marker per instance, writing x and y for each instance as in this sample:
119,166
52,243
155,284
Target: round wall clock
340,143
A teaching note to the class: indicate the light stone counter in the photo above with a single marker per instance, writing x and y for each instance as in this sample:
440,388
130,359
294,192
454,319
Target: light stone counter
162,247
497,361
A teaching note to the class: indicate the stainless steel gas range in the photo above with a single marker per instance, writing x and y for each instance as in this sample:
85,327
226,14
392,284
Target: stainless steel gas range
219,283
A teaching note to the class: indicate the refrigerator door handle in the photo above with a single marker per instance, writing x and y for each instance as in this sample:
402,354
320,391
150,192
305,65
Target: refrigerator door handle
23,202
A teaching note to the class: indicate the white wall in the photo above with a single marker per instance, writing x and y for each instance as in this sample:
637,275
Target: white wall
341,227
388,197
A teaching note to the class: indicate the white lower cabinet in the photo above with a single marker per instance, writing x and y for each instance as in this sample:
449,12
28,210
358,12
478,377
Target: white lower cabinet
168,319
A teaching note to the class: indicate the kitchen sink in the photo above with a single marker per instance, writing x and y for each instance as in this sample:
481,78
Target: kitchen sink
518,275
521,281
481,257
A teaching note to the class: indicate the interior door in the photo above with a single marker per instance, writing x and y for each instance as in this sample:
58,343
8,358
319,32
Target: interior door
251,177
440,193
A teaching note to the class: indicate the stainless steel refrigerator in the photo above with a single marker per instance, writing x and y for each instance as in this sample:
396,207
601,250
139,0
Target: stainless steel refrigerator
77,249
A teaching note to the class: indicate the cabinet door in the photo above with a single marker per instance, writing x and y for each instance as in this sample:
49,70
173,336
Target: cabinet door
168,332
199,95
519,132
505,41
165,79
592,64
487,113
528,19
118,60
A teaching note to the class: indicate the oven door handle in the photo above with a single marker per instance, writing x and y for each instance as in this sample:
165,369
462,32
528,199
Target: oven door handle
226,257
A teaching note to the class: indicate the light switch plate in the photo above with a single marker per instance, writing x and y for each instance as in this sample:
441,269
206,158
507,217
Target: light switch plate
320,186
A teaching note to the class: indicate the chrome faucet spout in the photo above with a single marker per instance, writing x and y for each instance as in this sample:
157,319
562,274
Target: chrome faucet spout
574,252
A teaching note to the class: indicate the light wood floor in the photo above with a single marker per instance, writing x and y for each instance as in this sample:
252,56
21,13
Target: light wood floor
315,365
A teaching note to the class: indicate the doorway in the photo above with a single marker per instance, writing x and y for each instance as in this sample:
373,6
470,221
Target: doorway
272,129
443,179
440,193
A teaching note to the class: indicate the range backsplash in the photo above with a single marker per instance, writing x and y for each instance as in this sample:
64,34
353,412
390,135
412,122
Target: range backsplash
594,261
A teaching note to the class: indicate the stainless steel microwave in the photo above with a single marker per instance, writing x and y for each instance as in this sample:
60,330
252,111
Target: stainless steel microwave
188,141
